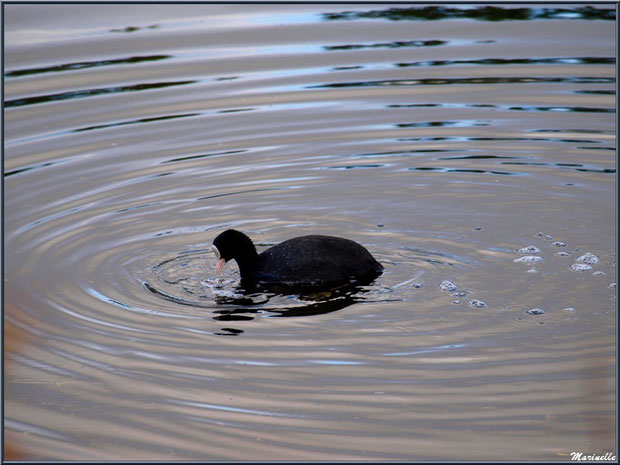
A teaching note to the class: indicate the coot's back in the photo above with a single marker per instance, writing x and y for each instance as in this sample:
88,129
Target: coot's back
316,261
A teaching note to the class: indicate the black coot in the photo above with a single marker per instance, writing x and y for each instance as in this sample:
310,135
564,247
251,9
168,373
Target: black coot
308,261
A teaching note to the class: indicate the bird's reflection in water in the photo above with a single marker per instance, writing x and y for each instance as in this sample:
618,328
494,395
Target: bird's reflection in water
229,332
310,303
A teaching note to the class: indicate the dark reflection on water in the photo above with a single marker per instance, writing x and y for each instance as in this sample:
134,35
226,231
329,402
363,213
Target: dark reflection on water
524,139
230,332
236,110
506,107
135,28
311,304
430,124
91,93
32,167
461,170
557,108
346,68
395,44
478,157
246,191
513,61
596,92
204,155
136,121
579,131
355,167
481,13
85,65
249,302
476,80
572,166
145,205
172,298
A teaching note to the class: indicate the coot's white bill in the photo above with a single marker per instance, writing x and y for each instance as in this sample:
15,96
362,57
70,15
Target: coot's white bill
220,261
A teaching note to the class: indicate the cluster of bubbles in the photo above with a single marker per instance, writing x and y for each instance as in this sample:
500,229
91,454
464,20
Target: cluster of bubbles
584,262
531,255
449,286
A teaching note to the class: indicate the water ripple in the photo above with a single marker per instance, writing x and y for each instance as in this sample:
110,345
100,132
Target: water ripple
85,65
446,151
479,13
470,81
77,94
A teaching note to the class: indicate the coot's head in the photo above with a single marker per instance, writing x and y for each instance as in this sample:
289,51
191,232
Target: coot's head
232,244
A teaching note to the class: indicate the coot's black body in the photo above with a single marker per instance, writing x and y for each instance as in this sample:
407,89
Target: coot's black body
306,261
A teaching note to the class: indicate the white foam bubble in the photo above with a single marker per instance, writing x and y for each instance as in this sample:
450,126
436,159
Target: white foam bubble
535,311
449,286
528,259
530,249
588,258
580,267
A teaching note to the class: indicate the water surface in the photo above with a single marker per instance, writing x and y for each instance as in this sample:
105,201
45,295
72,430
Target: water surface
443,139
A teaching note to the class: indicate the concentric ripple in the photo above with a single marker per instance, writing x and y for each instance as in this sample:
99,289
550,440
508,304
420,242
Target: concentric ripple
469,148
